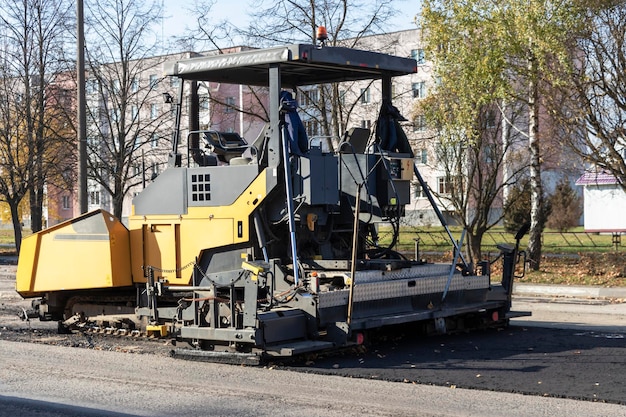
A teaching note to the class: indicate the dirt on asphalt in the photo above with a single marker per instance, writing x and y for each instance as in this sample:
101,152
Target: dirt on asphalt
12,328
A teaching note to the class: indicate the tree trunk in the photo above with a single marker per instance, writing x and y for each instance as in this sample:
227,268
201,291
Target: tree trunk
36,208
17,225
536,187
118,195
474,241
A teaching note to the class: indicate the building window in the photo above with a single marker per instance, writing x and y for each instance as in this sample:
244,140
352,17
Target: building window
155,170
419,89
174,82
419,123
65,203
313,96
311,127
366,124
422,156
444,185
94,198
308,97
134,85
154,111
115,115
203,103
134,112
230,105
419,56
418,191
154,141
115,86
153,80
91,86
490,119
490,153
365,95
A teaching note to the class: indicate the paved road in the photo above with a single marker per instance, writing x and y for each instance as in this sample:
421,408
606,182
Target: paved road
569,348
572,313
52,381
574,364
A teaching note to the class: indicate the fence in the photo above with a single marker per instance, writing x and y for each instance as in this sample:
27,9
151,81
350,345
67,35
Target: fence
559,242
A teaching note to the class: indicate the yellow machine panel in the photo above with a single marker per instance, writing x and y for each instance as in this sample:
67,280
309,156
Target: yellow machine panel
90,251
169,243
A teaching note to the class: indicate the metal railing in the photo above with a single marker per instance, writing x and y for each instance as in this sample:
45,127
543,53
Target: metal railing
557,241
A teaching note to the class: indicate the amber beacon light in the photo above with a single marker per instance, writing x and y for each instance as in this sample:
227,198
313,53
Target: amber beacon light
322,34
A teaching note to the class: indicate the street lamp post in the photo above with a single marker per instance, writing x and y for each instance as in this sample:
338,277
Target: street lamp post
81,109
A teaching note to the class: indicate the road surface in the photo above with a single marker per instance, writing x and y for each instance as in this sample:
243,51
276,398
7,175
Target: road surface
569,359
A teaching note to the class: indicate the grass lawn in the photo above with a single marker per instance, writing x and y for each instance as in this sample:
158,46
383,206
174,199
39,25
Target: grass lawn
571,242
575,258
7,238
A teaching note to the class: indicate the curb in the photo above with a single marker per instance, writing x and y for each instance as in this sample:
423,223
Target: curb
568,291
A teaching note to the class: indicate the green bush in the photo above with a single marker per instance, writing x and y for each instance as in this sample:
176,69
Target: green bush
517,206
566,207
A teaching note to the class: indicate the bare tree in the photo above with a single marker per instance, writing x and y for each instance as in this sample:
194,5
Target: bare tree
15,159
592,107
477,161
35,33
124,110
287,21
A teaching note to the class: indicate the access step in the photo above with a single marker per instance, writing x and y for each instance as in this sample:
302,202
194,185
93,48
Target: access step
517,314
298,347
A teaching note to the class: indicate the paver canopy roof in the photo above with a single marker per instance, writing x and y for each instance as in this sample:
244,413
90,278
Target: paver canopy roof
300,64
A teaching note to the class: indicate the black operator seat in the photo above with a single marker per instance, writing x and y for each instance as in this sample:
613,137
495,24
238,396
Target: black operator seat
355,140
226,145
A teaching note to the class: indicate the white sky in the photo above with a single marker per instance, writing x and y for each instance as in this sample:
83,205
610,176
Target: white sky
235,11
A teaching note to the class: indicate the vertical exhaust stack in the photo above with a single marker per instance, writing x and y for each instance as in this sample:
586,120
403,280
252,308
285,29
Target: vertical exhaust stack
194,125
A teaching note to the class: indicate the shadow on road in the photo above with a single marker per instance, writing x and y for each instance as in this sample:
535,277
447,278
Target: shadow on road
14,406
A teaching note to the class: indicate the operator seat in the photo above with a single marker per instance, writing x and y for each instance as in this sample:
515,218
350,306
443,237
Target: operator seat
226,145
355,140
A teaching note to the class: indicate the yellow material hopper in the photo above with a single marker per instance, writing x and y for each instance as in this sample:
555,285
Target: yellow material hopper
90,251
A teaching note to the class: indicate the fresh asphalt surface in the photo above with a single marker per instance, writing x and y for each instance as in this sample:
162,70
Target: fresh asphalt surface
570,347
531,360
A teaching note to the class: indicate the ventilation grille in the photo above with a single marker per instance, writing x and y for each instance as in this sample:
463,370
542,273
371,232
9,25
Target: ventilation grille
201,187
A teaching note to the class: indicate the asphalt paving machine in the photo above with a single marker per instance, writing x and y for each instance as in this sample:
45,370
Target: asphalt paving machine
268,246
